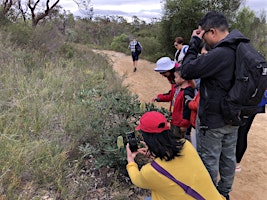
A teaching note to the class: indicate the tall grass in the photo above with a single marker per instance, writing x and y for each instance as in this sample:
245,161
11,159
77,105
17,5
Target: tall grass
60,115
42,119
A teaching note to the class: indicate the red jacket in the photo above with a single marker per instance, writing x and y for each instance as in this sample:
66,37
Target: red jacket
193,105
167,97
179,110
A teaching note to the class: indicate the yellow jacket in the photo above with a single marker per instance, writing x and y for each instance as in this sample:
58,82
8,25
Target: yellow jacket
187,168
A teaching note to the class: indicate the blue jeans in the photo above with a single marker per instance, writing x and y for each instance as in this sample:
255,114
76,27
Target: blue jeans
148,198
216,148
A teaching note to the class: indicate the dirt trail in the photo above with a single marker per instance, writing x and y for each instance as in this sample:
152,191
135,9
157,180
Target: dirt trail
251,183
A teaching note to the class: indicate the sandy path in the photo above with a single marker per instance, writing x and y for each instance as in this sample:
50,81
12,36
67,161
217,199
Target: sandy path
251,183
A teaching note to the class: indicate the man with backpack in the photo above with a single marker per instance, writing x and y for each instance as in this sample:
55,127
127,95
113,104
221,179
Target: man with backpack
136,49
216,139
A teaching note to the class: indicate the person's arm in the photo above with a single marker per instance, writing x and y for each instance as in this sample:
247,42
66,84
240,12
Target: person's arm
207,65
193,105
166,97
135,175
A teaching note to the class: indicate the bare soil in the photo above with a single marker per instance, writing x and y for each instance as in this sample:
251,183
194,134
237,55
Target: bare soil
251,182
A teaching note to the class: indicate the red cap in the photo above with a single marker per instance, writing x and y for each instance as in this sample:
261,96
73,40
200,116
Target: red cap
153,122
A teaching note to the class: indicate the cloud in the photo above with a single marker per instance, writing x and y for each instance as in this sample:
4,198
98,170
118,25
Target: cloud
144,10
257,5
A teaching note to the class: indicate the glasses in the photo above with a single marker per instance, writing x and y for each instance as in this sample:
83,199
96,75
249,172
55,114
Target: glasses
205,33
164,74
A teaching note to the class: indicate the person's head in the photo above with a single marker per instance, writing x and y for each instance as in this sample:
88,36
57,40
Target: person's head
203,48
178,43
215,26
158,137
178,78
165,66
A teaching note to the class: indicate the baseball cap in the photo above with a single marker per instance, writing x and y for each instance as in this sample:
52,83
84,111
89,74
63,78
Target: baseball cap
153,122
164,64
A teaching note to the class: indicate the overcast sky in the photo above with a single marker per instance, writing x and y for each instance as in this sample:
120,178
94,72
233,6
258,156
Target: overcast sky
143,9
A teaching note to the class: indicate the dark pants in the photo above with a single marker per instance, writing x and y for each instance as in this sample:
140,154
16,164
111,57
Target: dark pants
242,139
135,56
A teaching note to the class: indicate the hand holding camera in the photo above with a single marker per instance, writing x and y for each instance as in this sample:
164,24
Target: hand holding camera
132,140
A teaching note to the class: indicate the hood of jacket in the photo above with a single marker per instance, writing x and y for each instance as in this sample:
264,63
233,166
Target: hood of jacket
232,39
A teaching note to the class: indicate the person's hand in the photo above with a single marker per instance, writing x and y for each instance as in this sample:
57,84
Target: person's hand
130,155
199,33
183,129
153,100
144,149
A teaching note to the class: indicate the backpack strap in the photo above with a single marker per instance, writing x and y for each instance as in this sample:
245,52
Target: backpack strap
187,189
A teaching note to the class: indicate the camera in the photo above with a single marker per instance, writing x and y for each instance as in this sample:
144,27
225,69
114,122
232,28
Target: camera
132,140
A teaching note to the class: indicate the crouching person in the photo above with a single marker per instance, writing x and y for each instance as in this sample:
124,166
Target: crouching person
176,171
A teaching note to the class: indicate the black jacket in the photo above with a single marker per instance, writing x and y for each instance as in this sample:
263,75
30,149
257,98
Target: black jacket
216,70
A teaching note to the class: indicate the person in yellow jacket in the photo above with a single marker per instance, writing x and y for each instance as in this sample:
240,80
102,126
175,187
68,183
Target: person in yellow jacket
177,156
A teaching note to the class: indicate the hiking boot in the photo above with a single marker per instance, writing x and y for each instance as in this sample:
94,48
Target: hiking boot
134,69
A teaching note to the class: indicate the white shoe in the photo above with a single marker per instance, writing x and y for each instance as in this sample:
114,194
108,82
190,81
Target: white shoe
238,167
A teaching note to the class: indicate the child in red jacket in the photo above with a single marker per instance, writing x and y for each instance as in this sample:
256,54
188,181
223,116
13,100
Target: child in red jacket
180,111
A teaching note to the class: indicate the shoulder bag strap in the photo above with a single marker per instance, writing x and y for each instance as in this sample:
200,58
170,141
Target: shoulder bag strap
188,190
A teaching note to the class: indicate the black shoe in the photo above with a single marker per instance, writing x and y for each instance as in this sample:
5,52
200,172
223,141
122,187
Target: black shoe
134,69
227,197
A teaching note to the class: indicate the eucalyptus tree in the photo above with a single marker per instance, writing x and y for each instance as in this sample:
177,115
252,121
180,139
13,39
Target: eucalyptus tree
40,9
181,17
252,26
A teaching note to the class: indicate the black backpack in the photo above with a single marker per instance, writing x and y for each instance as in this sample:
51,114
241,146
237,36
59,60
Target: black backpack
138,48
249,85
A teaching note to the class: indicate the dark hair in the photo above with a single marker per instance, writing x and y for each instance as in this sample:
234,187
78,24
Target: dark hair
178,70
171,77
214,19
179,40
164,145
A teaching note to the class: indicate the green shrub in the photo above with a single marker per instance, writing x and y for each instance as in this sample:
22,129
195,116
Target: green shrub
20,34
120,43
118,113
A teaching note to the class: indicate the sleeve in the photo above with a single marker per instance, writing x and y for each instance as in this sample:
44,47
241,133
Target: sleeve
166,97
193,105
188,95
137,177
205,65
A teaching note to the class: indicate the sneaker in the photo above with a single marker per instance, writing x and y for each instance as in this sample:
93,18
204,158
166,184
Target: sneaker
238,167
135,69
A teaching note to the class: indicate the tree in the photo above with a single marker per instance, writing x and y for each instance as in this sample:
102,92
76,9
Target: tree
22,10
37,15
6,6
85,8
227,7
181,17
252,27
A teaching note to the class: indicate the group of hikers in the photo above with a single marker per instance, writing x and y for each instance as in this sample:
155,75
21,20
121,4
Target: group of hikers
195,153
